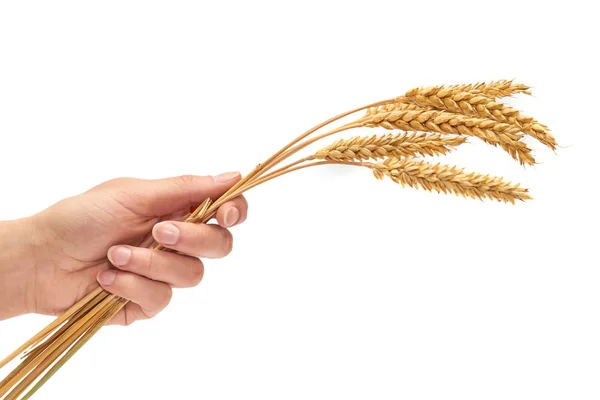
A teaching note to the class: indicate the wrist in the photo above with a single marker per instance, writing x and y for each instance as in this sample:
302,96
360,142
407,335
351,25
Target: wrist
17,267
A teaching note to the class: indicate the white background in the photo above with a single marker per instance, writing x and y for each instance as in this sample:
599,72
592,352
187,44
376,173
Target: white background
339,286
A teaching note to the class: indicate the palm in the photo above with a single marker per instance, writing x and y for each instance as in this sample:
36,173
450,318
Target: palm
83,231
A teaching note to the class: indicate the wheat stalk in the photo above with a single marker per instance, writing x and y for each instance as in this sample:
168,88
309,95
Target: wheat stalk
448,179
435,121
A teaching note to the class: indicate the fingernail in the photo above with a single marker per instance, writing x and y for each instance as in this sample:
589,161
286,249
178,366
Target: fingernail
106,278
231,217
166,233
227,176
119,256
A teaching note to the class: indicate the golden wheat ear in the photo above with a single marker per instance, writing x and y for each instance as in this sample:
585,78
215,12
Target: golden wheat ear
381,146
461,99
448,179
430,120
494,89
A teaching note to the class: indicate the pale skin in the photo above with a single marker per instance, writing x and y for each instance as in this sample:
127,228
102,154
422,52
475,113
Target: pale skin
54,258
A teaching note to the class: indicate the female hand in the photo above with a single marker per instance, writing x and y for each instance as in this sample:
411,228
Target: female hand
51,260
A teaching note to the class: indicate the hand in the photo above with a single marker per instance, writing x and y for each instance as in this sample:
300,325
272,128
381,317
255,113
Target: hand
102,235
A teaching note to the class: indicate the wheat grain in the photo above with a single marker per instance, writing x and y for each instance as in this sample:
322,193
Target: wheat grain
424,120
403,103
381,146
447,179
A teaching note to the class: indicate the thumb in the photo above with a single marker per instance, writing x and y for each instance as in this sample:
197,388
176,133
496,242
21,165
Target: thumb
165,196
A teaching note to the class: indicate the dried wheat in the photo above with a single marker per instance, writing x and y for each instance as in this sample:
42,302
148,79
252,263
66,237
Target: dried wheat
495,89
458,110
423,120
381,146
447,179
469,103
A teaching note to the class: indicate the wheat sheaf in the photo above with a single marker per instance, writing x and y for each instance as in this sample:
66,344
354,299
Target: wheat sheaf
426,122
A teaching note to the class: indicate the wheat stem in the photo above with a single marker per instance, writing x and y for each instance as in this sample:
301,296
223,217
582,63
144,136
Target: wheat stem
83,339
276,160
261,168
306,143
50,350
35,351
51,327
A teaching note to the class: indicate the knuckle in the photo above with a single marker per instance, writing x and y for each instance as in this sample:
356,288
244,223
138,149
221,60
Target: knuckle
160,300
243,203
116,182
244,209
186,181
151,263
196,272
227,241
201,235
128,319
130,283
168,295
140,313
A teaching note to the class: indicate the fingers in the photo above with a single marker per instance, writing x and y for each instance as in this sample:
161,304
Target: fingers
180,192
233,212
175,269
198,240
165,196
128,315
151,296
145,277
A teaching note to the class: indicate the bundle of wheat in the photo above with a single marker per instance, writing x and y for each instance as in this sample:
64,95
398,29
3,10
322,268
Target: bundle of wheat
435,120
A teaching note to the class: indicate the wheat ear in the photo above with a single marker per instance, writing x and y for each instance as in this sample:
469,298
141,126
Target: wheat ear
448,179
479,105
381,146
494,89
424,120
